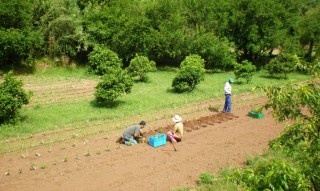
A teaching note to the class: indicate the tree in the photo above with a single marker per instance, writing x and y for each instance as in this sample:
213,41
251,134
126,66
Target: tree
310,33
61,23
103,61
12,98
140,66
190,74
299,103
216,52
244,70
257,27
113,85
282,64
18,42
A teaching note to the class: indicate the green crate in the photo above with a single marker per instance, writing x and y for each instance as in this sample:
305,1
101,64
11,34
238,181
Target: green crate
256,115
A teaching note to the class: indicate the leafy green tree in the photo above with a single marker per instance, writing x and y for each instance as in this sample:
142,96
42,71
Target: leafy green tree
113,85
299,103
217,53
12,98
257,27
61,24
244,70
140,66
310,32
18,41
272,174
190,74
282,64
103,61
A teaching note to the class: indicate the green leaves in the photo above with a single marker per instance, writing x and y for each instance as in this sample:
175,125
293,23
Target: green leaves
271,174
113,85
140,66
190,74
12,98
244,70
282,64
103,61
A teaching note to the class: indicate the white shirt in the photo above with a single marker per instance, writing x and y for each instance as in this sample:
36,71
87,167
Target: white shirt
227,88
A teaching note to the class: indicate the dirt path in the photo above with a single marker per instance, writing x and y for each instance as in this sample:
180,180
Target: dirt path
212,141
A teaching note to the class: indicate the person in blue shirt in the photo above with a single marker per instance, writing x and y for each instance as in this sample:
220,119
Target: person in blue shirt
228,93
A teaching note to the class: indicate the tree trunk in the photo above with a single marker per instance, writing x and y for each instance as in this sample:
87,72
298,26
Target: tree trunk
309,54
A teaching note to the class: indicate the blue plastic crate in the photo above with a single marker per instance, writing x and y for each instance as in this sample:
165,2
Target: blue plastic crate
157,140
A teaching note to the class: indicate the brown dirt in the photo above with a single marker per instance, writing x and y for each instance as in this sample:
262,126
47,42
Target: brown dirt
212,141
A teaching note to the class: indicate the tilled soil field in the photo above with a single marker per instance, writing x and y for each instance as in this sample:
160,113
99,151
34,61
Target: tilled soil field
212,141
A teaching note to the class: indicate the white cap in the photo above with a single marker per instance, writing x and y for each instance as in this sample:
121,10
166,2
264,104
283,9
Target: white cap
176,118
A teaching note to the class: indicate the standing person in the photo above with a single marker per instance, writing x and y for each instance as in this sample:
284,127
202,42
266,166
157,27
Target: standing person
227,93
178,127
133,132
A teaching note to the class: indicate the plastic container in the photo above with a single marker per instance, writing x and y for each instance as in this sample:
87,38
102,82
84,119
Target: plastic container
157,140
256,115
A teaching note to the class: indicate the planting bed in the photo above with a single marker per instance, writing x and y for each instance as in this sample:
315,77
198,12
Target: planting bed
212,141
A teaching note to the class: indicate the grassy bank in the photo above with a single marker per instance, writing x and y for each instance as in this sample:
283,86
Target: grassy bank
145,98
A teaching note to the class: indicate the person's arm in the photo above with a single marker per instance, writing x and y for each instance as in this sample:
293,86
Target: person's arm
137,133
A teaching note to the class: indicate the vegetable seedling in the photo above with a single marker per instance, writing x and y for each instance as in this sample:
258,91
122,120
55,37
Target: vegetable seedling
33,166
42,166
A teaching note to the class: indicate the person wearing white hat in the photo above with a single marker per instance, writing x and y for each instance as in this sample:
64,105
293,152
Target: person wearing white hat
178,127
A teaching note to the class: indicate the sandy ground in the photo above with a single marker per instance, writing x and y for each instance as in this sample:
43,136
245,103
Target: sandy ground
212,141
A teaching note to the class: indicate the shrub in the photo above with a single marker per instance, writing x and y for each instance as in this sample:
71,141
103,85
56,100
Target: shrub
190,74
12,98
112,86
139,67
272,174
103,60
244,70
282,64
205,178
18,45
300,141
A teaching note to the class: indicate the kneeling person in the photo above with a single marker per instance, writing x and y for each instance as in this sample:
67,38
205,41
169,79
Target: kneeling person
132,133
178,128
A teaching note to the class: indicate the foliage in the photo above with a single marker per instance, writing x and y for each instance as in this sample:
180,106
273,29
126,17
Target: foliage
310,30
61,23
190,74
216,52
17,39
244,70
113,85
12,98
205,178
301,103
17,45
15,14
140,66
103,61
282,64
272,174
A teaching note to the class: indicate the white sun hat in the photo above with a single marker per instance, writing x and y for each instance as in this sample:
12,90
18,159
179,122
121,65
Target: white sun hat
176,118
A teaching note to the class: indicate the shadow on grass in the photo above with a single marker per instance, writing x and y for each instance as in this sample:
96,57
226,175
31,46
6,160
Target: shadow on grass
106,104
272,77
18,69
181,91
239,82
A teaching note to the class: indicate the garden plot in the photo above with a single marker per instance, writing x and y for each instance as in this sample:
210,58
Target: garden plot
61,92
212,141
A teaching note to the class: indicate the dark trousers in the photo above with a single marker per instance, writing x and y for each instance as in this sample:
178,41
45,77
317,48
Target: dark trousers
227,104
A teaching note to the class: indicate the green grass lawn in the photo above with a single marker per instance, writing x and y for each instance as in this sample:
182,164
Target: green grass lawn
145,98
